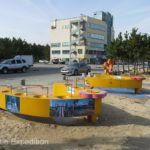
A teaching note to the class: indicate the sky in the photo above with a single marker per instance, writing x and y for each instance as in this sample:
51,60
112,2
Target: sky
30,19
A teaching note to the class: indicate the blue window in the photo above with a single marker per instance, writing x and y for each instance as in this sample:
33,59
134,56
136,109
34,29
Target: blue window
55,44
89,34
94,52
65,51
98,27
65,59
97,36
97,45
66,26
79,51
87,51
91,51
55,51
65,44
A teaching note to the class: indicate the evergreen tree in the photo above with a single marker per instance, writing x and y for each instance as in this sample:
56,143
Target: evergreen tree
12,47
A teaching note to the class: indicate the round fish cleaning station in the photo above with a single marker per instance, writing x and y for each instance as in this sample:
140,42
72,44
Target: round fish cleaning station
112,81
115,82
66,101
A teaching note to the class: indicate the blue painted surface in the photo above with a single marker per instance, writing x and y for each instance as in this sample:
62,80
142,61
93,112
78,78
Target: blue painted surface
122,92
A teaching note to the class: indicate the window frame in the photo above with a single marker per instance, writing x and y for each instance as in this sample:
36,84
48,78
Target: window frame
97,36
55,44
13,63
65,44
97,27
65,53
20,62
80,51
55,52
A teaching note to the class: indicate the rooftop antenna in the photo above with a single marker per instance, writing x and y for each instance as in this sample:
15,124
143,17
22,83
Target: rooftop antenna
82,15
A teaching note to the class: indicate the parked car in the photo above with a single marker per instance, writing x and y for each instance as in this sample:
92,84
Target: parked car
61,62
27,58
75,69
44,61
57,61
14,65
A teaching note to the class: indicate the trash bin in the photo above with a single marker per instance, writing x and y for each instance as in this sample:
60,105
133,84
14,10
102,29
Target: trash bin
23,82
64,77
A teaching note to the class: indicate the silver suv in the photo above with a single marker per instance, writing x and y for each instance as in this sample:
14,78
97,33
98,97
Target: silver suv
75,69
14,65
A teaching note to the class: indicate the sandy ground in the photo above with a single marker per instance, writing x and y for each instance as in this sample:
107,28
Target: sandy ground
123,124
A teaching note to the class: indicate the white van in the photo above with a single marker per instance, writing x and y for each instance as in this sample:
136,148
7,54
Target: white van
27,58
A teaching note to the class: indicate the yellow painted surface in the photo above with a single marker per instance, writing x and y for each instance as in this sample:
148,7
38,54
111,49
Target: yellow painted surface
3,90
113,81
39,105
2,101
98,103
61,89
92,118
34,106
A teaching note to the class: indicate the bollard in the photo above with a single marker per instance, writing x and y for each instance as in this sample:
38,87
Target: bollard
23,82
71,90
47,89
84,83
64,77
11,88
76,81
90,74
26,90
83,75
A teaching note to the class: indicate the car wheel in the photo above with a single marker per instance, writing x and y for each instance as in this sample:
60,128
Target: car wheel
76,72
4,70
24,69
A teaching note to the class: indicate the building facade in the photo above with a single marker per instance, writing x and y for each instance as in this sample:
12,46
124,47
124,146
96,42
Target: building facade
108,18
82,38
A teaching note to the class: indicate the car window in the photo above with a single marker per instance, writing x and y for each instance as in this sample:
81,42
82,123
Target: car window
13,62
5,62
82,65
18,61
23,61
73,65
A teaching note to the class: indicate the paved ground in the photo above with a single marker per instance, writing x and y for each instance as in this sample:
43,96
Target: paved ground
44,73
40,73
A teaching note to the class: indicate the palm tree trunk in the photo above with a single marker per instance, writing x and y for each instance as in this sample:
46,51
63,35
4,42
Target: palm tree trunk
134,66
137,66
118,66
143,66
128,66
123,65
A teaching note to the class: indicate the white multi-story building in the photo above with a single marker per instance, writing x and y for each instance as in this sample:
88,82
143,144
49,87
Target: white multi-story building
82,38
